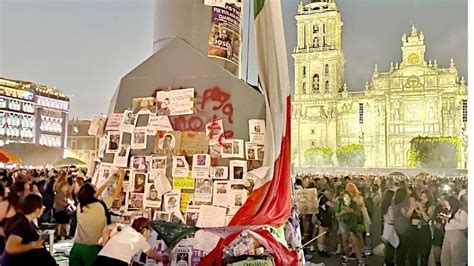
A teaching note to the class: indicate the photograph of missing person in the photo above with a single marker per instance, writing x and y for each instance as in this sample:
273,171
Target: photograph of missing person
192,217
135,201
238,172
201,160
204,186
238,169
153,199
113,141
219,172
161,216
146,104
168,142
139,182
139,163
163,107
158,162
139,137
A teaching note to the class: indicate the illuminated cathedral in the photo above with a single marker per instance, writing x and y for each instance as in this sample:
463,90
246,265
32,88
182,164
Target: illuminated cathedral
416,97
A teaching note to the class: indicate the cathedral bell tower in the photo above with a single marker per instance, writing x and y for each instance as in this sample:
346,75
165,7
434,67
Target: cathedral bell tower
319,59
413,48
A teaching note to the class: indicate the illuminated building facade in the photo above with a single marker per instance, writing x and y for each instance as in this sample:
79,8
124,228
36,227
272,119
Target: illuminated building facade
414,98
80,144
32,113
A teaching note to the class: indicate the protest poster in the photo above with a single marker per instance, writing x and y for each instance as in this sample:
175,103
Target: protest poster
183,182
203,191
175,102
257,131
139,139
254,151
138,182
232,148
180,166
171,200
153,198
220,193
113,141
140,163
219,172
121,157
201,164
215,150
186,200
103,174
145,104
162,184
102,146
142,119
128,121
168,142
211,216
97,126
158,162
306,200
177,217
113,122
215,131
192,215
236,200
182,256
161,216
224,37
193,143
238,168
160,122
135,201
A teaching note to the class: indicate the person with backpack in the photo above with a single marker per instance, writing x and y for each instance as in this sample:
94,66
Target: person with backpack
402,225
92,217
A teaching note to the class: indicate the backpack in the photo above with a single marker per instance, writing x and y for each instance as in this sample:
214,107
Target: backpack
107,213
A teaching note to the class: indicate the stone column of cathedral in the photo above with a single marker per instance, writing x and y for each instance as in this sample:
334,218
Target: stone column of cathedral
189,20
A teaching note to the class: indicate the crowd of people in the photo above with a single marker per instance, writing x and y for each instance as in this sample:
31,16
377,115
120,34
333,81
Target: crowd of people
31,199
404,219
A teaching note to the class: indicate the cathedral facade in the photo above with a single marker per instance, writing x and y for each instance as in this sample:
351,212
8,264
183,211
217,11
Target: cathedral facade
416,97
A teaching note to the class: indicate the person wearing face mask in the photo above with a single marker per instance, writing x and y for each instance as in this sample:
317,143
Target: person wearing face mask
121,242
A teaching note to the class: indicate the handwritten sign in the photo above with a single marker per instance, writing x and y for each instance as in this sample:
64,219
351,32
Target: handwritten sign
175,102
113,122
183,182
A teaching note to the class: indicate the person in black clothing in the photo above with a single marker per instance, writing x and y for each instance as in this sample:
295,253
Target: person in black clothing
24,246
325,217
438,229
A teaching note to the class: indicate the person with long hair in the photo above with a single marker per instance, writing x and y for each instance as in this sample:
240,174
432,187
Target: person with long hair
63,195
23,245
92,218
359,228
389,235
402,225
438,228
121,242
10,207
420,214
454,249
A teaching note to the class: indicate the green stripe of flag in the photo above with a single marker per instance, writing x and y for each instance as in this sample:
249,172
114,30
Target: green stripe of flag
257,7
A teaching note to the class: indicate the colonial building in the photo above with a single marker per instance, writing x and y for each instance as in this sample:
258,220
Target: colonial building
415,97
80,144
32,113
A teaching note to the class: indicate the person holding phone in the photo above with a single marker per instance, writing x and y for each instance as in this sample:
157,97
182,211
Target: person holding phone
24,245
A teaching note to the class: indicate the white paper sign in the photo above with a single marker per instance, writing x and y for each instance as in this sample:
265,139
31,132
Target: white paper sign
158,162
162,184
175,102
211,216
128,121
203,191
140,163
219,172
171,200
254,151
257,131
233,148
238,169
160,123
139,139
180,166
121,157
152,197
113,138
201,164
220,193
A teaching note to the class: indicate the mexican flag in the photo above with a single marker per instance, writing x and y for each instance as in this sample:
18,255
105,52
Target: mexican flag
270,204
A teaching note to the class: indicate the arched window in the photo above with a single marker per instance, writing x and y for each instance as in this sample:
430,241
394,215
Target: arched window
304,71
316,83
326,86
326,69
315,28
315,42
303,88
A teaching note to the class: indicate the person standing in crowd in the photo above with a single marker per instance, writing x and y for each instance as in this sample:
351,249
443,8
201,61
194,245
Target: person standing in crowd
92,218
402,225
10,207
324,219
23,245
62,198
347,221
438,228
358,229
121,242
419,214
389,236
454,249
